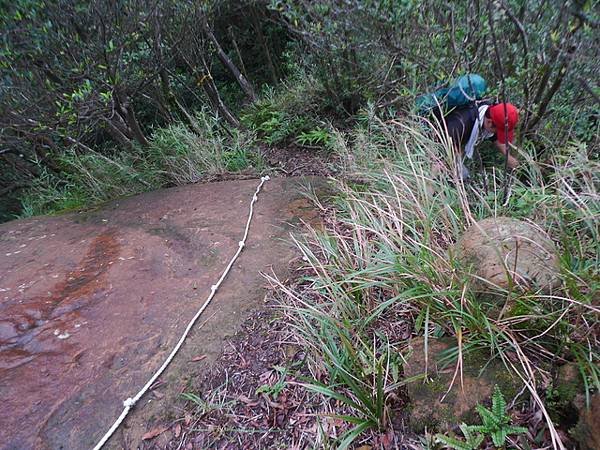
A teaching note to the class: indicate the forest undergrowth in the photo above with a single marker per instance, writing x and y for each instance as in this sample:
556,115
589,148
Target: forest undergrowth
387,261
100,102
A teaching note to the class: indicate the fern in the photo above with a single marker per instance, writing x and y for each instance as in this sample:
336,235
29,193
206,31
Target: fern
472,441
498,403
496,425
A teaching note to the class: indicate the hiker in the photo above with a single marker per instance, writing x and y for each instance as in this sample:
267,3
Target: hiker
470,125
460,110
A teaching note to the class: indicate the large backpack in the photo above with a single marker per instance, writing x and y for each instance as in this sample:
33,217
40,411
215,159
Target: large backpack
464,91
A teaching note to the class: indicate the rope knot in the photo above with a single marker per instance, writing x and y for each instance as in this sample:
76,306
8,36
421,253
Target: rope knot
241,243
129,403
265,178
213,288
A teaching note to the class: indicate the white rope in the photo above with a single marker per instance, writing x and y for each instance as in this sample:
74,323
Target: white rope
130,402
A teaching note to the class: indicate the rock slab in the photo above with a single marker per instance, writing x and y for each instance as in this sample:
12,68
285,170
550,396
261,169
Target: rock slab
91,303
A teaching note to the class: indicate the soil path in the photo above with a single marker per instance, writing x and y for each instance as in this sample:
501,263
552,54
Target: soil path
91,303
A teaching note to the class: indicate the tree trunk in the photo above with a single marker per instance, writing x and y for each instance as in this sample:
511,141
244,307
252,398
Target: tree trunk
237,51
134,125
166,98
228,63
117,134
213,94
125,111
263,43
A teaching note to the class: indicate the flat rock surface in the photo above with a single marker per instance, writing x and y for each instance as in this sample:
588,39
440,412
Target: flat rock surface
91,303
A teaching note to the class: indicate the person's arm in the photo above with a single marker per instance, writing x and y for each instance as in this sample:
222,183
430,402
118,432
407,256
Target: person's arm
513,162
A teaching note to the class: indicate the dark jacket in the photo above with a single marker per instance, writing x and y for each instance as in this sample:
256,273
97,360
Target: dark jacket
460,123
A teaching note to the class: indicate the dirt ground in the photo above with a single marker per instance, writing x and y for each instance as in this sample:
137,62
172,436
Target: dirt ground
252,398
91,303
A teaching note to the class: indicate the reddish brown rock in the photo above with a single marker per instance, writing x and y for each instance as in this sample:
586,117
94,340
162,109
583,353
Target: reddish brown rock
433,406
587,431
91,303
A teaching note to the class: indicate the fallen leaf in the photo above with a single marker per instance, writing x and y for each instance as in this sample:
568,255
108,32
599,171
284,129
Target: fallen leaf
247,401
187,420
198,358
177,430
154,432
387,439
158,394
265,376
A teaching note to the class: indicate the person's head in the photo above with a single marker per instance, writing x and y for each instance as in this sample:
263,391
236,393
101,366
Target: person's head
494,121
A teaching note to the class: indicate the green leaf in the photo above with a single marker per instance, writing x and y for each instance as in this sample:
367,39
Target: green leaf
477,441
498,403
465,431
330,393
452,442
515,430
478,428
349,436
498,437
488,418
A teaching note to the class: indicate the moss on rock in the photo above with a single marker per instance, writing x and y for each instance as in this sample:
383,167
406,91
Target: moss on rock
434,406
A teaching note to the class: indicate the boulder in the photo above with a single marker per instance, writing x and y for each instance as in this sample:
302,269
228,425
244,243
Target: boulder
587,431
567,406
508,253
432,407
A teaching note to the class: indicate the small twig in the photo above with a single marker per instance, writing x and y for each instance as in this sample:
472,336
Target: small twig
503,93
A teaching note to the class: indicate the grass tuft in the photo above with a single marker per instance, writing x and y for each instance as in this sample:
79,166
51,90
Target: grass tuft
386,262
176,156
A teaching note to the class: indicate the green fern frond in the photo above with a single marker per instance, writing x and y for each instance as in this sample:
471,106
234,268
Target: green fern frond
512,429
478,429
499,437
498,403
490,421
453,442
477,441
473,438
466,431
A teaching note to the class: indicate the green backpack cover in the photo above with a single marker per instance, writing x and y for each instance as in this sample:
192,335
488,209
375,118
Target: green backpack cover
464,91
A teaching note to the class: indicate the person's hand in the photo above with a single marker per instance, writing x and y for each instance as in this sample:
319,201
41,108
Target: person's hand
513,162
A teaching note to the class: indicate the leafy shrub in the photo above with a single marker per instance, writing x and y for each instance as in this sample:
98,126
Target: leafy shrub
176,155
86,179
284,113
316,137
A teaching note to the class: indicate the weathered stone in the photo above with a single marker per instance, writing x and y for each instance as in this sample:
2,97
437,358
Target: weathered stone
120,284
432,406
508,253
568,383
587,431
567,406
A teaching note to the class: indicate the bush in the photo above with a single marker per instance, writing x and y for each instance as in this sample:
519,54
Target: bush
176,155
290,112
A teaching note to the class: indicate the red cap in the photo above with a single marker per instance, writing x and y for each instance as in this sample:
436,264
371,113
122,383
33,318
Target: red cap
497,115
